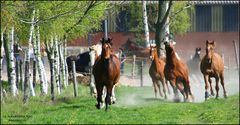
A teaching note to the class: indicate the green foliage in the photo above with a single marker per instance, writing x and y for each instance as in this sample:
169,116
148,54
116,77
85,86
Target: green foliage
137,107
55,17
180,22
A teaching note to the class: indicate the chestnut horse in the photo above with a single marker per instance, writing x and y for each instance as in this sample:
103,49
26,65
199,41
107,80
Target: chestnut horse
212,66
176,71
156,71
106,71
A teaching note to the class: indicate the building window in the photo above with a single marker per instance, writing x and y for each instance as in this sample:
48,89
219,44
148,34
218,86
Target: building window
203,18
230,18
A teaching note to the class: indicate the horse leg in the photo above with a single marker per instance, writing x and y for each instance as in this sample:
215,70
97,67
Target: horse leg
222,83
176,96
158,85
99,95
155,88
182,89
113,100
164,87
108,97
189,91
169,92
217,87
210,83
206,77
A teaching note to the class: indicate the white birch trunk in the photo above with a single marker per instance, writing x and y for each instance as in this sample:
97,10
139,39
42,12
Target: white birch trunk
30,46
1,58
27,81
12,66
167,25
62,65
145,23
65,61
40,66
56,65
31,87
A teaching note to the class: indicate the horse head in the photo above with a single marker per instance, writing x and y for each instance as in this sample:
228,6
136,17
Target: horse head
198,51
169,47
106,48
153,52
210,45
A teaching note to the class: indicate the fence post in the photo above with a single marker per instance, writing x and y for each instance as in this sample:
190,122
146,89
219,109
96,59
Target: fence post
236,53
133,66
74,79
141,77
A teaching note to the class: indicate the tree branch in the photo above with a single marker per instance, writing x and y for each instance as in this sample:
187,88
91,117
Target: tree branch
92,4
166,14
52,17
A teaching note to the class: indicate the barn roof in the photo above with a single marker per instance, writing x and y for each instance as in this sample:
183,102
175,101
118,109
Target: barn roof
205,2
214,2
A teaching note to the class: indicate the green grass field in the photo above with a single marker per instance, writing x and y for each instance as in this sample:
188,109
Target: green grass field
134,105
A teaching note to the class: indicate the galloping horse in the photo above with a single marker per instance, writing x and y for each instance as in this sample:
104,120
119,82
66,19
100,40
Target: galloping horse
176,71
106,71
212,66
156,71
194,65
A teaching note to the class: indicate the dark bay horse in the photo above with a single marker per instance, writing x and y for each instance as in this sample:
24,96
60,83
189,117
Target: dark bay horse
212,66
176,71
106,71
156,71
194,64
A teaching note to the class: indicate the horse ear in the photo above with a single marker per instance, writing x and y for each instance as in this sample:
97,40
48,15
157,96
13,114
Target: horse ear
109,41
214,44
207,42
166,43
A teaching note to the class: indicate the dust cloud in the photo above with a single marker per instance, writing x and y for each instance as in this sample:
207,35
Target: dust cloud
143,95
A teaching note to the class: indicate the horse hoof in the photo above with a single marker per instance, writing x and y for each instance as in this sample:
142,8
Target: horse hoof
165,97
176,100
225,95
113,102
213,94
97,106
206,95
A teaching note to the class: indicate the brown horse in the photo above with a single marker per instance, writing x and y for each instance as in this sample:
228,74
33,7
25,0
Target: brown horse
106,71
212,66
156,71
176,71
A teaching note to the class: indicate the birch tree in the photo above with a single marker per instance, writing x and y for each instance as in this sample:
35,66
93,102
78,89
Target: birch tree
8,47
1,59
27,82
62,65
50,53
40,66
56,65
145,23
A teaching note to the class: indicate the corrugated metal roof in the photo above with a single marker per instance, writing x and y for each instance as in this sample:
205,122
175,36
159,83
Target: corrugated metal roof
205,2
212,2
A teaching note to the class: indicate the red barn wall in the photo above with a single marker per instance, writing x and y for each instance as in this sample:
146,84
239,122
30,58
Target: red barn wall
186,43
